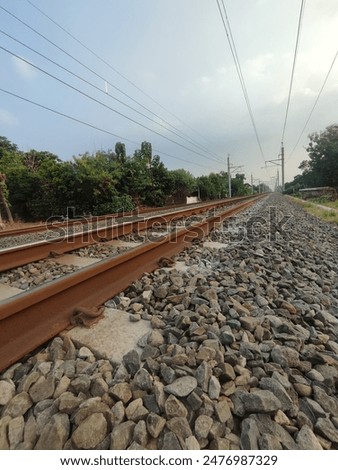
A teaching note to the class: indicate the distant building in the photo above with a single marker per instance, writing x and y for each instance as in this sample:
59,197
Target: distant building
318,192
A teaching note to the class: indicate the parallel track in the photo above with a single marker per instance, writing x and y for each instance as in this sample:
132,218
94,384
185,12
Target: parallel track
30,319
23,254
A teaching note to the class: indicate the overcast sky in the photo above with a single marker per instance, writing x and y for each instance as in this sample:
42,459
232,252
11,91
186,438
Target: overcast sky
175,53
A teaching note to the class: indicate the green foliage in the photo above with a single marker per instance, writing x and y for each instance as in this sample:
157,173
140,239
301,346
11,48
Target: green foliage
41,185
117,204
322,167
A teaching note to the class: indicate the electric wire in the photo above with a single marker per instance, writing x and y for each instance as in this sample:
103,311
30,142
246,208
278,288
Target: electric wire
293,67
100,102
72,118
315,104
101,77
116,71
239,70
127,80
99,89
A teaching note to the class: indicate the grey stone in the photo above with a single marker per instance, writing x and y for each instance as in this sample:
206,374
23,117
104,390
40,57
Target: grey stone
143,379
312,409
325,428
249,434
268,442
30,432
203,425
182,386
117,413
171,442
267,425
79,384
63,385
90,432
261,401
285,356
155,424
155,338
7,391
135,411
307,440
214,388
167,373
121,391
161,292
18,405
42,389
174,407
191,443
226,336
132,362
329,404
180,427
122,435
68,403
55,434
4,423
98,387
222,411
140,434
203,374
278,390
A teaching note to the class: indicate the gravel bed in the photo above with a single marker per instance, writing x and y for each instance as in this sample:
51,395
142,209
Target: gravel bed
243,352
35,274
99,250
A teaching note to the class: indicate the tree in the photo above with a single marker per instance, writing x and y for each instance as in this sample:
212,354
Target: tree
6,146
238,186
3,198
322,167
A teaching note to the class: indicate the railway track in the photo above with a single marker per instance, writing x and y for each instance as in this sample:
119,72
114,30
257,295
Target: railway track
56,225
29,319
68,239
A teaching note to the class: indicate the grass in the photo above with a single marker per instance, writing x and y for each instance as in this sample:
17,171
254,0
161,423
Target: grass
325,201
311,208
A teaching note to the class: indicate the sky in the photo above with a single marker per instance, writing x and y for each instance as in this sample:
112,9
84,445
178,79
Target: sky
171,62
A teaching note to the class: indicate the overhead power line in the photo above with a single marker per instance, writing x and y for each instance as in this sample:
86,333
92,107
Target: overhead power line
104,79
228,32
293,67
101,103
315,103
92,126
119,73
106,93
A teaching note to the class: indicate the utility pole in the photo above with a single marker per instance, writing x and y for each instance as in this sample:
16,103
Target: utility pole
282,158
231,167
252,188
229,176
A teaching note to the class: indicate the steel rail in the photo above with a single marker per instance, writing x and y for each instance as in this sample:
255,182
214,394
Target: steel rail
30,319
14,257
48,225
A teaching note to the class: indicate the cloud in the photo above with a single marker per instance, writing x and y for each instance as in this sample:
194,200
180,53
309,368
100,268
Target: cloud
24,70
7,118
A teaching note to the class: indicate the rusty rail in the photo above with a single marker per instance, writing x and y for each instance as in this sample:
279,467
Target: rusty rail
23,254
94,219
30,319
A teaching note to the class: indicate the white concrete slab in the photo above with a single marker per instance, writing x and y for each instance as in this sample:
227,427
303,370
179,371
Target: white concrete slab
112,336
121,243
75,260
216,245
7,291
